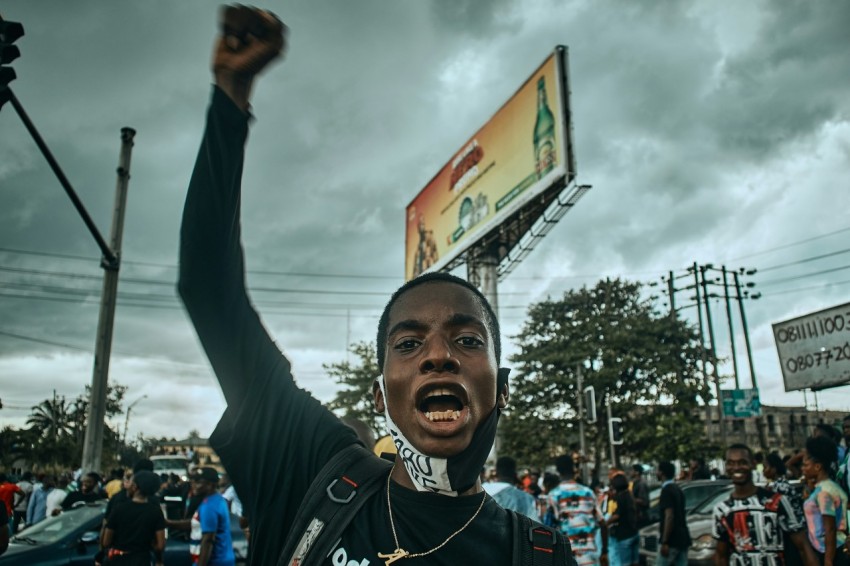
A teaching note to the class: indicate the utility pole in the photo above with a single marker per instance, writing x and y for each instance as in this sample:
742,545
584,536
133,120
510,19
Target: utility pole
702,270
731,327
93,443
746,331
703,354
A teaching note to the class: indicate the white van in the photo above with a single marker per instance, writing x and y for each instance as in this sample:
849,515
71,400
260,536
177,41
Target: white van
171,464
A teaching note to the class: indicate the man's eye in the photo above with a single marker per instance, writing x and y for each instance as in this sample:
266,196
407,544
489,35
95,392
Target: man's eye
470,341
406,344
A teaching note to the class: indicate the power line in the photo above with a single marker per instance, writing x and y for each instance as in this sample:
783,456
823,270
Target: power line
806,260
792,244
804,276
800,289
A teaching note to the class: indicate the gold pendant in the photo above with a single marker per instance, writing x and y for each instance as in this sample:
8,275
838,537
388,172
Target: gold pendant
393,556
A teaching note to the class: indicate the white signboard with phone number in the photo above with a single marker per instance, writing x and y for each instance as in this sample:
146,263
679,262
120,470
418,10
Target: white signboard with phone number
814,349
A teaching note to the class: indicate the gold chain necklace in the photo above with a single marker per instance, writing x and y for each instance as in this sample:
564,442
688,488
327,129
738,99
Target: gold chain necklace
400,552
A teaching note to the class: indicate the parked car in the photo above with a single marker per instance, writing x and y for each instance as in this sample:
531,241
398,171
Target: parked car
695,491
701,552
71,539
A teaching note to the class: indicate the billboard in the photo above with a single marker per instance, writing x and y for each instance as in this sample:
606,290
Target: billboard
814,349
740,403
522,151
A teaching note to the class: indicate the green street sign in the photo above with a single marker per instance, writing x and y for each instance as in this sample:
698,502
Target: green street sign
740,403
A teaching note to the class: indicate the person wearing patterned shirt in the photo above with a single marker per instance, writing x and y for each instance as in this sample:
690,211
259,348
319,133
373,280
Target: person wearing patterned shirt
826,506
751,524
578,515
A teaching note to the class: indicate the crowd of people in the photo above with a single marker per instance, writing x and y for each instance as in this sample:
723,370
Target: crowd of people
781,510
140,505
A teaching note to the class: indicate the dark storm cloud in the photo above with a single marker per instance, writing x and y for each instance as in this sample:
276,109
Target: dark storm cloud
788,83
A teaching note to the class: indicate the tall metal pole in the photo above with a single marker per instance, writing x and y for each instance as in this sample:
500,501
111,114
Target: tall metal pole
127,418
93,443
581,413
702,352
482,270
613,448
671,290
746,331
731,327
713,355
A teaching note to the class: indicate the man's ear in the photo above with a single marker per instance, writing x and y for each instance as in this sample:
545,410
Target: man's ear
502,391
378,395
504,397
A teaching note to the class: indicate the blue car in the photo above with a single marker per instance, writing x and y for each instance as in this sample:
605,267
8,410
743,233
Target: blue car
71,539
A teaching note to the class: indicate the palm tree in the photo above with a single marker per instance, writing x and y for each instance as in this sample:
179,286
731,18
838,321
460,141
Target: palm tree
51,418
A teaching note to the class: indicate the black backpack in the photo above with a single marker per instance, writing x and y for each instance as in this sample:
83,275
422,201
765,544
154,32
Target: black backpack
350,478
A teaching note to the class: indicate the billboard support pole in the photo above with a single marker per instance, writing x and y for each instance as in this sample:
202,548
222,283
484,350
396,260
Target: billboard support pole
483,272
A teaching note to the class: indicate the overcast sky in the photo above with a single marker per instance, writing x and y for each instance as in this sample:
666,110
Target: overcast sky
710,131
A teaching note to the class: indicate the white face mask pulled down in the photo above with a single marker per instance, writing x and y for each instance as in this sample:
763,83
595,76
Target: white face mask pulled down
447,476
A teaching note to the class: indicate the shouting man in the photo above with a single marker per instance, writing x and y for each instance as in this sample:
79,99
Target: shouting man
438,344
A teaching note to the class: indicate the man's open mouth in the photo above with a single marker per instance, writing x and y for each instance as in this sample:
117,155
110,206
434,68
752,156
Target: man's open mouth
441,405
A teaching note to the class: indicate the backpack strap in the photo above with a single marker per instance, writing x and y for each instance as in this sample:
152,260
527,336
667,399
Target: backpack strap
538,545
340,489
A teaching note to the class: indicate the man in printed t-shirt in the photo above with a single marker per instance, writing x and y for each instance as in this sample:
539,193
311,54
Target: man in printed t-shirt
750,525
441,389
578,515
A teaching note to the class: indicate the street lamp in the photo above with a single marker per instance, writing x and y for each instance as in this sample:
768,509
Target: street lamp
127,418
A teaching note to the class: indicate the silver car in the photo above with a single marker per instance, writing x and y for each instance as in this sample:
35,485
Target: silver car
700,519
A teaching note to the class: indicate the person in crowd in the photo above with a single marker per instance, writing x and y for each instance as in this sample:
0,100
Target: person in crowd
20,511
623,524
640,492
530,482
843,475
506,493
174,496
777,481
58,495
826,505
4,533
440,390
211,544
87,493
673,535
545,510
579,516
697,470
751,526
115,483
37,508
10,493
136,526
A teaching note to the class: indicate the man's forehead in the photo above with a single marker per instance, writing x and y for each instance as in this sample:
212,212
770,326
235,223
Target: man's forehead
439,299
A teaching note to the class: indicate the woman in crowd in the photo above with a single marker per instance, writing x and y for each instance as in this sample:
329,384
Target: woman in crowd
622,524
826,506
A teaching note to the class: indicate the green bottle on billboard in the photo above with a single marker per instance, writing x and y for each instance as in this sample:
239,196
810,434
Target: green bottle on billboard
544,133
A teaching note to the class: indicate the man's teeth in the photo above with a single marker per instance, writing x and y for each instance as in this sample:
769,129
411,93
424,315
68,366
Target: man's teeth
442,416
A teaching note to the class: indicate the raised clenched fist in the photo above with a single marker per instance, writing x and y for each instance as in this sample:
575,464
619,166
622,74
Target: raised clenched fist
250,39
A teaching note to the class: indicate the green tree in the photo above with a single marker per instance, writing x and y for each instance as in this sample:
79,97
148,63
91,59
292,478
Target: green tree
355,398
642,363
51,418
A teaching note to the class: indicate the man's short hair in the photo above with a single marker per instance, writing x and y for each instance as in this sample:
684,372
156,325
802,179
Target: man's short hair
637,468
492,321
667,469
143,465
565,466
619,482
774,460
846,418
741,446
506,467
